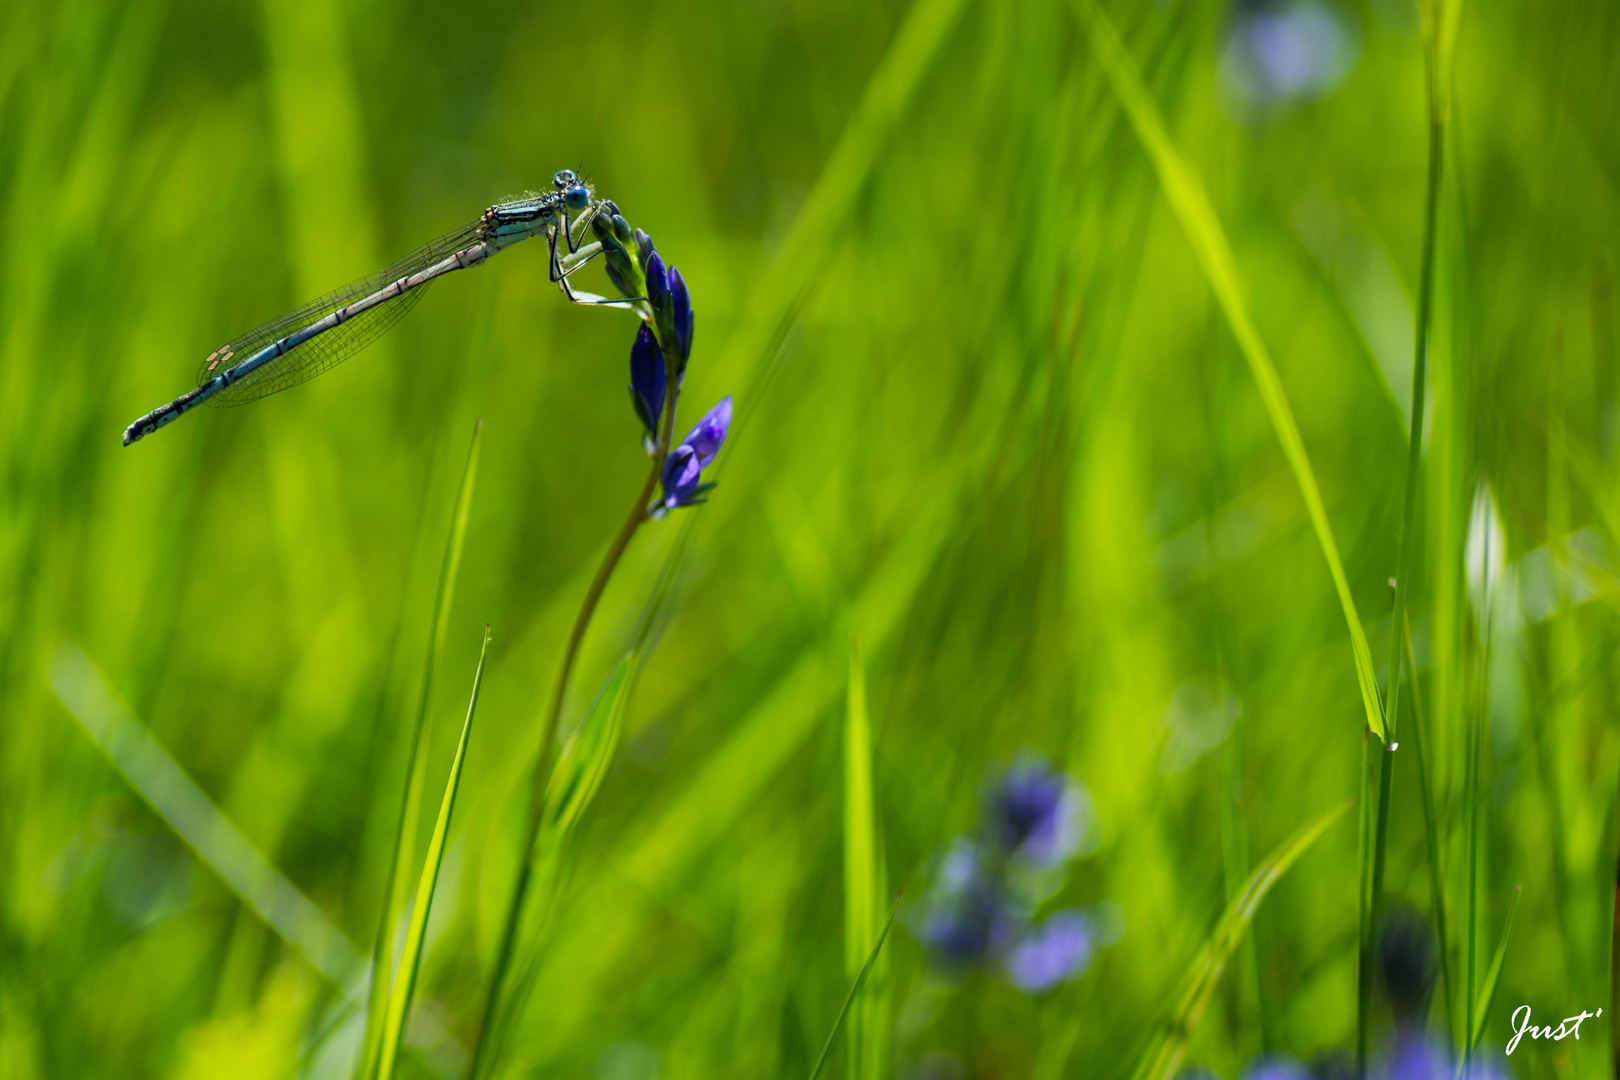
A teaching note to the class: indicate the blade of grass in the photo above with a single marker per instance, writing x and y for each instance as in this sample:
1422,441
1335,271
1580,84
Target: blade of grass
860,874
1435,53
410,960
1162,1058
394,886
215,839
855,988
1487,992
581,767
774,303
1471,787
1203,229
1431,832
585,758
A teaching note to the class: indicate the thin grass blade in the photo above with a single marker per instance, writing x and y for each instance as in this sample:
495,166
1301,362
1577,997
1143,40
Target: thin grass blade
382,952
1162,1059
1209,242
410,961
775,301
1487,993
855,988
585,758
1431,832
860,865
581,767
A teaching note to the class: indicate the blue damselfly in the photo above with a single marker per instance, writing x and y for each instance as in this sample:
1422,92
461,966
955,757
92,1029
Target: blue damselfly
325,332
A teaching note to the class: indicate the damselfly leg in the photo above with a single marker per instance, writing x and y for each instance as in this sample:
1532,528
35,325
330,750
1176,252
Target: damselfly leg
564,265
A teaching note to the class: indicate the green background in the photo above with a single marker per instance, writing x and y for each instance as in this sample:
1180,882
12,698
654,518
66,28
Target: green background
991,422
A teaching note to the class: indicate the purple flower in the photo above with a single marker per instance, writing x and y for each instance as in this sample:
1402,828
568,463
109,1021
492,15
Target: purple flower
1417,1057
1052,952
967,919
1277,1067
1281,52
647,379
684,466
1034,812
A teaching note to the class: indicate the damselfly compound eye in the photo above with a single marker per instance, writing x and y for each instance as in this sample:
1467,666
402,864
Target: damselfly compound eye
564,178
577,198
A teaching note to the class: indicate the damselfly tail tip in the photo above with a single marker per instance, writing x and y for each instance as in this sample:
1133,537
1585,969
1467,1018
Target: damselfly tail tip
139,430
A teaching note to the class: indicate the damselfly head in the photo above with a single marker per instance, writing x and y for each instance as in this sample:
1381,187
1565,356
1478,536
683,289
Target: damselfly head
576,193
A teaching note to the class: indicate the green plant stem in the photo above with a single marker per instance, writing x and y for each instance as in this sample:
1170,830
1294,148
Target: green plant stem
398,879
1364,828
1414,462
548,738
1431,828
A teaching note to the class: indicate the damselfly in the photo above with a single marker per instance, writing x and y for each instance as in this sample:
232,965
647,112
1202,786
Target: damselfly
325,332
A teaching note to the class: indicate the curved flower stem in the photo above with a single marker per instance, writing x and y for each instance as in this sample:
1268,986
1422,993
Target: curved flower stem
548,738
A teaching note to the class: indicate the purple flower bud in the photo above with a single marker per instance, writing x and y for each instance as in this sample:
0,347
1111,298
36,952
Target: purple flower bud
681,475
684,466
1035,813
1056,950
657,283
709,434
681,301
647,379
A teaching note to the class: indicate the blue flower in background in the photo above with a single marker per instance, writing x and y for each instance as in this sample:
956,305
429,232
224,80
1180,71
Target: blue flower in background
967,919
1278,53
1057,949
1034,813
1416,1056
684,466
1277,1067
979,913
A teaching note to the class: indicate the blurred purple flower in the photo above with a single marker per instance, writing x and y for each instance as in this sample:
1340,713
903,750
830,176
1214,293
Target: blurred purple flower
1281,52
1414,1055
1277,1067
1057,949
647,380
979,911
1035,812
684,466
966,919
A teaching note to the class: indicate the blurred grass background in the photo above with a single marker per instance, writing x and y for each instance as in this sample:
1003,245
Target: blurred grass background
1007,440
